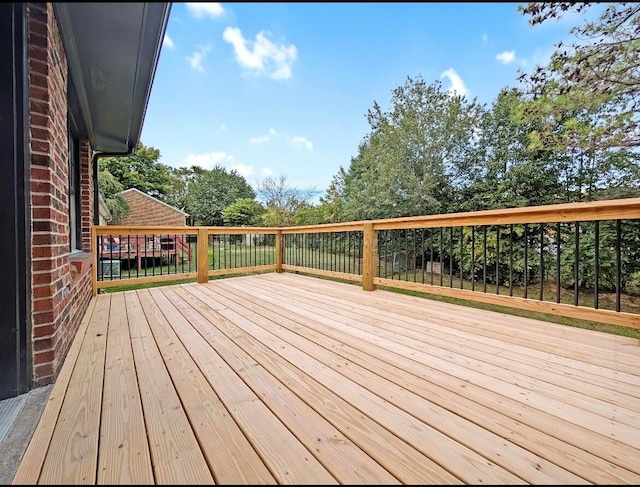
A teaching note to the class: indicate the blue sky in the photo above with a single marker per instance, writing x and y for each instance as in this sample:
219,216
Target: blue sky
284,88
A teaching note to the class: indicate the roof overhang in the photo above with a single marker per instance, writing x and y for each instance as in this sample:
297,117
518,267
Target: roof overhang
112,52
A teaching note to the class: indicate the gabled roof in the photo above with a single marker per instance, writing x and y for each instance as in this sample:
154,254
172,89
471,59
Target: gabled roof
137,191
112,51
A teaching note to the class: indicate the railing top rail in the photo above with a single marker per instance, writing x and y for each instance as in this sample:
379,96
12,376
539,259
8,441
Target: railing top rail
158,229
627,208
566,212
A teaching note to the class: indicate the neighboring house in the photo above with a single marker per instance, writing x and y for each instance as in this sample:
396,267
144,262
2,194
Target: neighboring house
146,210
75,80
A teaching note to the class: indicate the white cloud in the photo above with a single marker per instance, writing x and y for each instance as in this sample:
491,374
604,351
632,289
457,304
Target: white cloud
295,140
209,160
267,172
168,42
457,85
538,58
485,38
259,140
506,57
241,169
197,57
264,57
201,9
299,141
223,127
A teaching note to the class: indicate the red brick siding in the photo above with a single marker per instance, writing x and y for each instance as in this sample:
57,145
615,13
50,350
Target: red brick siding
87,194
148,211
58,302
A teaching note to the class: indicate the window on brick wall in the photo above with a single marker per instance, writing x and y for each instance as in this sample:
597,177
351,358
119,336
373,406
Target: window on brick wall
75,209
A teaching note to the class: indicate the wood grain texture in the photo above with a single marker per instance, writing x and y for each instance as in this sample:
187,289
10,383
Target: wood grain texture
124,450
175,453
72,457
28,471
278,378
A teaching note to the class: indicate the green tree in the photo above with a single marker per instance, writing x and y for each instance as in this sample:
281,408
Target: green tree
244,211
595,80
211,191
509,172
418,156
332,202
283,201
110,188
142,171
183,177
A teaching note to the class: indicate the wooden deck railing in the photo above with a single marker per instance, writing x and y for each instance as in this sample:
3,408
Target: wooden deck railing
579,260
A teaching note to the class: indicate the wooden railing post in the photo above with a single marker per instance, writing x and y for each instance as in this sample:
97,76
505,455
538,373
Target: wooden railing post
279,250
203,255
370,257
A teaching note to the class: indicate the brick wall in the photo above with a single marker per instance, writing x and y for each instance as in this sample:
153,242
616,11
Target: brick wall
59,298
87,194
146,210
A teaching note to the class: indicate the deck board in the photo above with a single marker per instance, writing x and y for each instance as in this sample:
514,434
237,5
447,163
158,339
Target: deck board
175,452
528,364
73,451
124,449
289,379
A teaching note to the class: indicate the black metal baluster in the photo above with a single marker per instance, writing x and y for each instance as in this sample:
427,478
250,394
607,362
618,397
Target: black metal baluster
354,252
441,256
461,257
360,237
431,256
393,251
596,265
159,238
332,254
473,258
511,260
484,256
541,261
406,249
415,267
576,260
618,262
343,253
558,240
145,255
217,238
175,251
450,257
497,259
422,256
526,259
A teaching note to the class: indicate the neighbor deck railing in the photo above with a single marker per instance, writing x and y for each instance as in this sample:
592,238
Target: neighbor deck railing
580,260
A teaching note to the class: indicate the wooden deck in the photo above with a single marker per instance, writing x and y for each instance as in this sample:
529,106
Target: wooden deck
286,379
